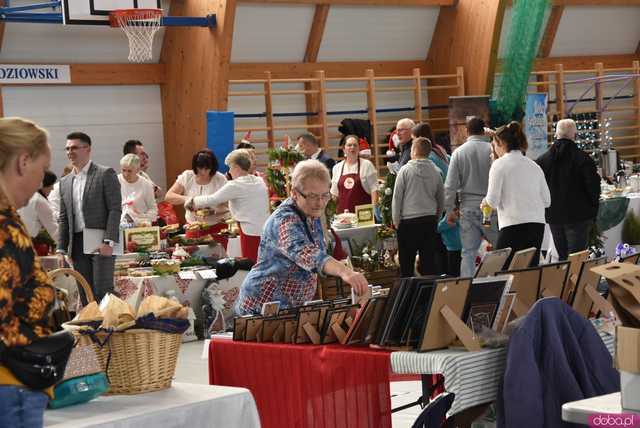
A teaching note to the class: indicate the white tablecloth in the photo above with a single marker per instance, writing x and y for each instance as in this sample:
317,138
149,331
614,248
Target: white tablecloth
614,235
579,411
473,376
181,406
359,235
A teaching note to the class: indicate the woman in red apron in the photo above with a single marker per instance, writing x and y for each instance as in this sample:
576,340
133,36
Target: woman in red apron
355,179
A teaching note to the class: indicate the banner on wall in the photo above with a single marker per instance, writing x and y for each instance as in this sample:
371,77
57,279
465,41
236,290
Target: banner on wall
220,126
34,74
536,124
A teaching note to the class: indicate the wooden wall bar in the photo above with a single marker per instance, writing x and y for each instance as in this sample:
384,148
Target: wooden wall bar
287,70
624,114
367,84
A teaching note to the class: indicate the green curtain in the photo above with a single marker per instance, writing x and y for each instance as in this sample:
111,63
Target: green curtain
527,24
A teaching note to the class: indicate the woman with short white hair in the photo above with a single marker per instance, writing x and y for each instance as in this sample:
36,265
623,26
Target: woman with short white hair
248,199
292,250
138,201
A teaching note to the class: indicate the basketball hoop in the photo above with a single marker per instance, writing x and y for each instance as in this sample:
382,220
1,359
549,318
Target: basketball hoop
139,25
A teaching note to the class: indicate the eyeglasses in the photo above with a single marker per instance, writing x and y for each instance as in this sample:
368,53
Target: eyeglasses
315,198
74,148
403,129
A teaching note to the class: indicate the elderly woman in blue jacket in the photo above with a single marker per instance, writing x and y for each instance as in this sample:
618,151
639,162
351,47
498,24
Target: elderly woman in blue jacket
292,252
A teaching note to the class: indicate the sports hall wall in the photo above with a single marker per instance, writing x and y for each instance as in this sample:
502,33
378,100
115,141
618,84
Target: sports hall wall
109,114
274,33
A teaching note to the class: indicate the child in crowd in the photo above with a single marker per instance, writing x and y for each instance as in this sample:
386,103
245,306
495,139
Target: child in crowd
450,233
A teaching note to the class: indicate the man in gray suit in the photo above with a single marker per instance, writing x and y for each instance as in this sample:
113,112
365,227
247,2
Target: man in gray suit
89,199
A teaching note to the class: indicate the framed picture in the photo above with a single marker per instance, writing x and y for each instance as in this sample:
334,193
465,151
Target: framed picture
364,214
147,238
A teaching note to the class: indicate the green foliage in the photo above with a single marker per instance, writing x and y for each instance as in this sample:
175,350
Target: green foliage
527,24
43,237
631,229
277,182
385,198
596,236
286,157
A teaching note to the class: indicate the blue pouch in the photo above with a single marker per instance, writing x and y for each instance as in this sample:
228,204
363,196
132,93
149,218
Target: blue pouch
79,390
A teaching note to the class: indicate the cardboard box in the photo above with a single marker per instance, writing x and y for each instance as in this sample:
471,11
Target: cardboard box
628,362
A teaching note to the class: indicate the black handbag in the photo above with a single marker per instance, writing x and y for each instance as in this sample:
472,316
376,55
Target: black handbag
41,363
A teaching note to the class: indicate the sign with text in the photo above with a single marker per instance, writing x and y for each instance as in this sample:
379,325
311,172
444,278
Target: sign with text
34,74
536,124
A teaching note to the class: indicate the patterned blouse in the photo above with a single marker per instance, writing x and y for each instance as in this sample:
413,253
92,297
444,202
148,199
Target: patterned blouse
26,293
291,254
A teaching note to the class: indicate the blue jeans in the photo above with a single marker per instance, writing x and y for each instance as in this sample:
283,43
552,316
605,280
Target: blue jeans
471,233
21,407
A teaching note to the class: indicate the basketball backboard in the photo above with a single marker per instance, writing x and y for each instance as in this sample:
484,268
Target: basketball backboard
96,12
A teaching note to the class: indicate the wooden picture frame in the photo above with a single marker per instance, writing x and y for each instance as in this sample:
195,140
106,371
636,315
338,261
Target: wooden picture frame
254,329
526,285
553,279
581,302
504,312
398,315
522,259
146,237
361,326
240,327
365,215
307,327
575,264
419,311
633,259
333,329
484,300
270,309
273,328
290,328
443,324
492,262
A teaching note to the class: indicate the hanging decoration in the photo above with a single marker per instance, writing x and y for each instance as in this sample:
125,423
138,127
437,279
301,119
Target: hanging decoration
527,24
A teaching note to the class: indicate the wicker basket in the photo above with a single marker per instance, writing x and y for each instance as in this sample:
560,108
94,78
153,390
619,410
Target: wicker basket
141,360
137,360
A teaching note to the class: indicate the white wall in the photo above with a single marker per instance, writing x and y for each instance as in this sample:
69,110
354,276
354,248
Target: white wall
110,115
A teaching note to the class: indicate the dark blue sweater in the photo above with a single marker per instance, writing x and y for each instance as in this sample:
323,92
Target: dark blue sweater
555,356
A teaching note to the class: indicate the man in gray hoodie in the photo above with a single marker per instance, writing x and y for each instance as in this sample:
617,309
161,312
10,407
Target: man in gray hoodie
418,202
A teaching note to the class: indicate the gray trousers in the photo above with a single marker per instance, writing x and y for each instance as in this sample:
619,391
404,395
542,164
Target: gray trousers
96,269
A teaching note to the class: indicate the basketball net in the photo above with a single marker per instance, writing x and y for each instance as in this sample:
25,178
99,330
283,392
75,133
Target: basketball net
140,26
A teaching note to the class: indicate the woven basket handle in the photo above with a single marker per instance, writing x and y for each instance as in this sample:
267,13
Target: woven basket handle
79,279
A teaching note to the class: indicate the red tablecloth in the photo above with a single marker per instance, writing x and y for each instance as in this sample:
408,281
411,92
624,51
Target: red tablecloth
307,385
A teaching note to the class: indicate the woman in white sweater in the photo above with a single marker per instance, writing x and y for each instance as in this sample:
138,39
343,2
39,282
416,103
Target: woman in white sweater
248,199
138,200
518,191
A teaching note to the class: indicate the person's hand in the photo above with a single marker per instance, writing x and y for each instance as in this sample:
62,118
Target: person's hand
105,250
452,216
489,132
61,259
356,280
189,205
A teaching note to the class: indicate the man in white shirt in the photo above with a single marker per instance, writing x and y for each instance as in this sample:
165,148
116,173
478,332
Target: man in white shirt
89,199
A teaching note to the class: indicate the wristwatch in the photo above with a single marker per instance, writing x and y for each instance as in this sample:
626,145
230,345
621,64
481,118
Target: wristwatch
109,242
